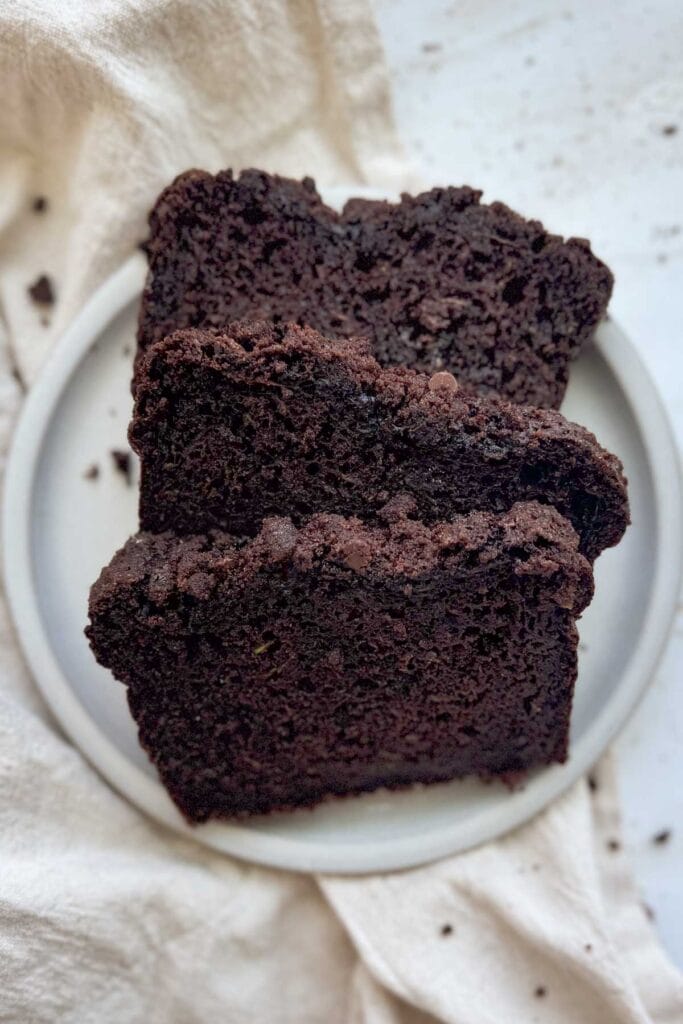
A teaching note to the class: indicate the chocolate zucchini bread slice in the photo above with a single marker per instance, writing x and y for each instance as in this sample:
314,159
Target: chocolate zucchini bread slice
438,281
269,673
279,421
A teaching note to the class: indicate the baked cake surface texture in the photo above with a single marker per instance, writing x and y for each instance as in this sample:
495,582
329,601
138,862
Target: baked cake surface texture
438,281
338,657
277,420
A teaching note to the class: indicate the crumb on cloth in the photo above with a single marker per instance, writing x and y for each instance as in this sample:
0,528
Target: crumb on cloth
42,291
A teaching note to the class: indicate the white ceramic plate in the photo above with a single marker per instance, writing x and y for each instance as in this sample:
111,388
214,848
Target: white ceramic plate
61,528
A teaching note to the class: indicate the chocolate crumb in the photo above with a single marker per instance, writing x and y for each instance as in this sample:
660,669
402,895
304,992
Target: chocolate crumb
92,472
588,947
592,783
356,555
45,321
123,464
16,372
431,47
42,291
400,506
663,837
280,536
649,912
443,381
613,845
39,204
540,991
446,929
669,129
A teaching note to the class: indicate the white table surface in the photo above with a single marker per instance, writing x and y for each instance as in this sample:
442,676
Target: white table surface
572,112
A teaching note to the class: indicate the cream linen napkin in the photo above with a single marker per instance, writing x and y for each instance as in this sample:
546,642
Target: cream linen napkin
103,916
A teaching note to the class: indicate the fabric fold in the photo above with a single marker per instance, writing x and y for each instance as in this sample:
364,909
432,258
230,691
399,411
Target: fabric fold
495,932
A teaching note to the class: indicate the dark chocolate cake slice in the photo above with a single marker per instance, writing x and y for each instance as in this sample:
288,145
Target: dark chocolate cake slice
278,421
438,281
338,657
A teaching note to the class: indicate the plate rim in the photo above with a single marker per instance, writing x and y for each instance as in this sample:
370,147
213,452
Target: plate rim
148,795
